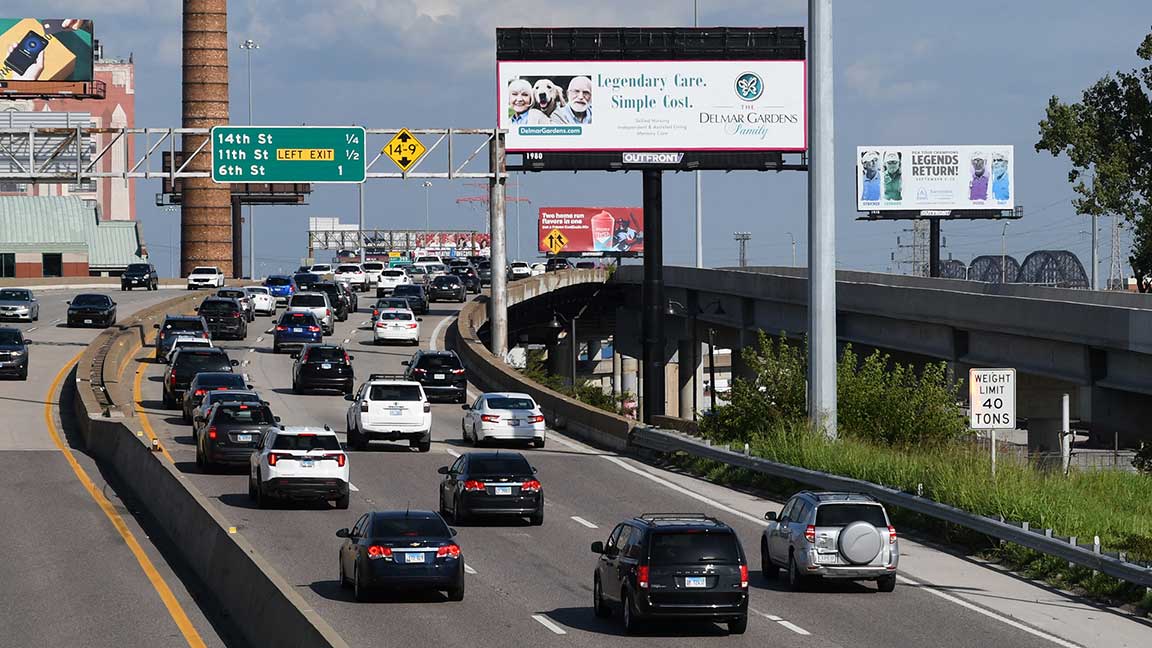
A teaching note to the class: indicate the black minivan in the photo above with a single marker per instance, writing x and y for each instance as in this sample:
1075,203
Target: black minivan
677,566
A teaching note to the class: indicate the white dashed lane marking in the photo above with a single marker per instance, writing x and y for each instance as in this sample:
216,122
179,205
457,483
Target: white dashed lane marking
452,452
547,623
352,487
468,569
584,522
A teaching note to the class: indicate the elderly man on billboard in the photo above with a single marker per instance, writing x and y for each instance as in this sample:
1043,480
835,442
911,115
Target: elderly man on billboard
893,176
1000,176
870,176
579,108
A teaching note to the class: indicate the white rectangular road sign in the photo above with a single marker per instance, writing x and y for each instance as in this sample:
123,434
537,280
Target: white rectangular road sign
992,399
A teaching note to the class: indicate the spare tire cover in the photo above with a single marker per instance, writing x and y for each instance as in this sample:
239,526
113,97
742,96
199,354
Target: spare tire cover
859,543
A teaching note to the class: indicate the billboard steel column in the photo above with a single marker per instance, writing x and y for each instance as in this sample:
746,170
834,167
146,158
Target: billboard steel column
821,222
933,247
498,302
653,296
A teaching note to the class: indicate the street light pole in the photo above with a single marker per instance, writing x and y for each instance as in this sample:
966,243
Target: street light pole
793,248
427,216
248,46
1004,254
699,179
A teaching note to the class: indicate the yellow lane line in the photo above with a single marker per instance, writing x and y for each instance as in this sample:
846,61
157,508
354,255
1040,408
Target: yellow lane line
174,609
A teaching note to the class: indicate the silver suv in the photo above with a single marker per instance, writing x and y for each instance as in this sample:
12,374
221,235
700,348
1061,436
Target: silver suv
830,535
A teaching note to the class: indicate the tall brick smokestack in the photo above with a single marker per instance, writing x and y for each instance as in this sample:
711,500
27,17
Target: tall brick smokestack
206,216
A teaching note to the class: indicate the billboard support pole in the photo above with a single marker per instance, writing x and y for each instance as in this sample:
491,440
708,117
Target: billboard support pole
498,301
933,247
653,296
821,223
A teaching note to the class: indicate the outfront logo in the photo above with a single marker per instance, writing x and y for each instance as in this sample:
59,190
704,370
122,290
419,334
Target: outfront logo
749,86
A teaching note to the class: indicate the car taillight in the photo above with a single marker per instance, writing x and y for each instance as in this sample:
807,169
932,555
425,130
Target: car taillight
535,419
810,534
642,576
457,371
212,432
490,418
198,392
448,551
427,407
891,534
236,315
376,551
375,313
314,329
339,457
204,335
347,360
744,576
281,327
273,458
530,486
328,311
473,485
413,325
419,371
172,378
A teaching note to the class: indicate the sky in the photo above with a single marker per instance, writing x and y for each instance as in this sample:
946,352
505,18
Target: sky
906,72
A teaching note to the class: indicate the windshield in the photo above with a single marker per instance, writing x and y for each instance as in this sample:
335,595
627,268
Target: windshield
325,354
278,281
12,294
218,307
210,271
688,547
229,395
306,442
845,514
309,301
439,362
297,319
137,267
256,290
511,465
10,337
190,362
428,259
243,415
394,393
393,315
407,291
90,300
348,268
391,303
417,270
320,268
232,294
445,282
183,325
373,266
408,527
210,381
511,403
183,343
393,273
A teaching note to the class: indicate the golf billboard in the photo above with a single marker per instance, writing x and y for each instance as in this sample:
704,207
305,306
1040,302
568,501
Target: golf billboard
934,178
46,49
591,231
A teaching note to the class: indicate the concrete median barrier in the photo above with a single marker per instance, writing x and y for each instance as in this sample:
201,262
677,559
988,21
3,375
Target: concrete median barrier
490,373
267,611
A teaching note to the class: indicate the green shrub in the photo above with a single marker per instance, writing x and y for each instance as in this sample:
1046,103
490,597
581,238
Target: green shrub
1143,459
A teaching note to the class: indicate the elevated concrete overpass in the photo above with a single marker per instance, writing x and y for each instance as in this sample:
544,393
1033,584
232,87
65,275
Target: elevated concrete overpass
1096,346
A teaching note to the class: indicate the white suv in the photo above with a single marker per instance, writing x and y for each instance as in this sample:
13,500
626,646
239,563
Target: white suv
519,270
389,408
322,270
205,277
299,463
389,279
353,275
372,270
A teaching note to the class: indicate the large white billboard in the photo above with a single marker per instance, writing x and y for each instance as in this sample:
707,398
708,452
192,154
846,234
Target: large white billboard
652,105
919,178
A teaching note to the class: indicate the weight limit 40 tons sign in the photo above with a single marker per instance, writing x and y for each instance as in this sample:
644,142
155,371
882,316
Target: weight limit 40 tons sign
331,154
992,399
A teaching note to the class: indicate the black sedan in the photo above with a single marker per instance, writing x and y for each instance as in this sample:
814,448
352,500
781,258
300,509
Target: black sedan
491,483
468,275
416,295
446,288
232,431
90,309
401,550
323,366
206,381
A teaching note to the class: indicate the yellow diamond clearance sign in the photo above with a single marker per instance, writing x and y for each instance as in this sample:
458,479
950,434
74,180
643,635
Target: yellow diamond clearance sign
404,149
555,241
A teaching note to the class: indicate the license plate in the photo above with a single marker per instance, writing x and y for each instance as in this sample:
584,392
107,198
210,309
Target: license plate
514,422
87,321
243,438
305,463
414,557
828,559
434,376
297,330
326,365
396,411
695,581
503,490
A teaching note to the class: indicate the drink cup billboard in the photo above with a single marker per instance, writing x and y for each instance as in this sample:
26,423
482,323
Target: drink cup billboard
918,178
591,231
45,49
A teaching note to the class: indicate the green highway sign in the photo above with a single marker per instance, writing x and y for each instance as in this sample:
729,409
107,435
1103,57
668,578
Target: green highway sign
288,154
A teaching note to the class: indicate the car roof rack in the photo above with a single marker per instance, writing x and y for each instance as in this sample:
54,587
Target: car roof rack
386,376
655,517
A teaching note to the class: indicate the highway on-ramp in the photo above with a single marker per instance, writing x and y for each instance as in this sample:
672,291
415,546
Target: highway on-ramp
77,570
526,585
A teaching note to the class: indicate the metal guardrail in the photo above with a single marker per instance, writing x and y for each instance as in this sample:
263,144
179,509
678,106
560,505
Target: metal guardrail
1044,541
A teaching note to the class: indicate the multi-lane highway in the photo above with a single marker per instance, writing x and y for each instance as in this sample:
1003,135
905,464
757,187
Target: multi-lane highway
529,585
77,570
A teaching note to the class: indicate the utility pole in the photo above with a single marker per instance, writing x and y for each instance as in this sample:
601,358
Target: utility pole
1095,251
1004,253
248,46
742,238
427,214
1114,273
699,178
793,248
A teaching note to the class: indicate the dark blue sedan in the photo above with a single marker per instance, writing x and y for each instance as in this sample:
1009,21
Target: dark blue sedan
295,329
401,550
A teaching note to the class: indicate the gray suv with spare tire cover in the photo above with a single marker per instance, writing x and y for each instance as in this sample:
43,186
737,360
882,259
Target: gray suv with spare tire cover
835,535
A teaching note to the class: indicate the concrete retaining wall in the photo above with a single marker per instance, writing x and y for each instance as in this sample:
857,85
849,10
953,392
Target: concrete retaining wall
490,373
267,611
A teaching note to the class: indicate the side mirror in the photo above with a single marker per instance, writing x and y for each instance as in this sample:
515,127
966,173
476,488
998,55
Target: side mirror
68,302
349,397
404,363
351,357
598,547
113,303
453,532
770,516
419,319
343,533
199,418
234,363
155,326
276,418
443,470
249,387
295,355
465,407
534,471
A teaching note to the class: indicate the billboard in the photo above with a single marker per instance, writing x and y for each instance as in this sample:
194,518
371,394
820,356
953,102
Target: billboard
945,178
46,49
636,106
591,231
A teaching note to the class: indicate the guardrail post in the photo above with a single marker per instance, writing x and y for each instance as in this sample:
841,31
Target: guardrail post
1095,549
1072,541
747,450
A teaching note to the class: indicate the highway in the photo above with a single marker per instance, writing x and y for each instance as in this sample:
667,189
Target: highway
78,570
531,585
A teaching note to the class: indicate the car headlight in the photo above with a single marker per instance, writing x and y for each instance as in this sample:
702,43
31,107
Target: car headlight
19,353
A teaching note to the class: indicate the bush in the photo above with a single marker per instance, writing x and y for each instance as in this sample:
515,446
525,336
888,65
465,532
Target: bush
1143,459
535,369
